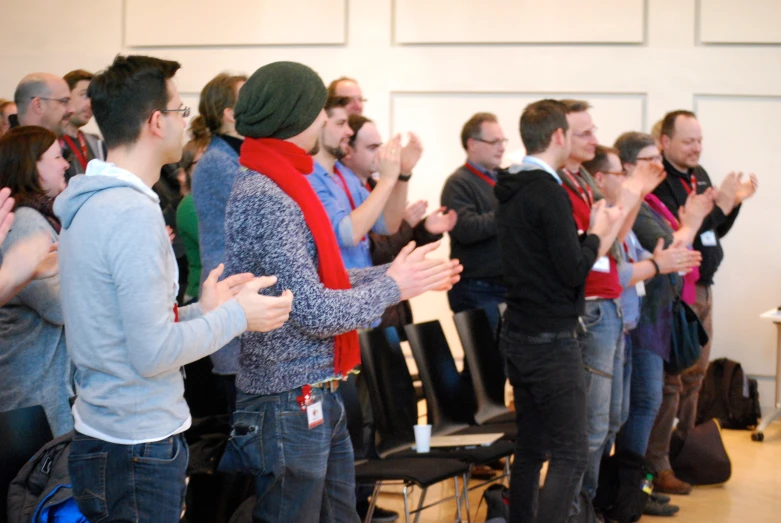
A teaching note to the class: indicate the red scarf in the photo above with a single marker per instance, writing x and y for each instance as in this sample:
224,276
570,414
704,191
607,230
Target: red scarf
286,164
689,293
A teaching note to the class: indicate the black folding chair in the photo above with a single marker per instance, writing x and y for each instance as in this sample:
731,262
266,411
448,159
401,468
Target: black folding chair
22,433
485,365
422,473
447,396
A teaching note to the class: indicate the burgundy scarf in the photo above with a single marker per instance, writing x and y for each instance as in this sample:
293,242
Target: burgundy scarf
41,203
689,294
286,164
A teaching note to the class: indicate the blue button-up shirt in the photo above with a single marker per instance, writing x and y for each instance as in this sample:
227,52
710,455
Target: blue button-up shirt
337,205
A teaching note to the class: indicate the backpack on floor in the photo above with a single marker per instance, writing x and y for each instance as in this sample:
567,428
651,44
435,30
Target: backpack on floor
698,456
625,483
728,396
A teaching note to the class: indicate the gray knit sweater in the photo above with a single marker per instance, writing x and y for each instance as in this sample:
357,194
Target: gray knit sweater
265,234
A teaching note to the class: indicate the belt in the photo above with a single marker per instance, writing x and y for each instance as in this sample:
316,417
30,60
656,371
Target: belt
332,385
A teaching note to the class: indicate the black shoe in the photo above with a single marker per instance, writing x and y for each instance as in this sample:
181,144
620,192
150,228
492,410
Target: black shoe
654,508
660,498
380,514
496,502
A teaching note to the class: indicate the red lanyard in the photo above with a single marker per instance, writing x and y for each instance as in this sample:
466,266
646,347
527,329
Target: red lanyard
344,187
480,175
81,153
586,194
692,186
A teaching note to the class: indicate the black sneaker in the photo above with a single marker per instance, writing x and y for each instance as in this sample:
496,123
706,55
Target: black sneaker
654,508
497,502
380,515
660,498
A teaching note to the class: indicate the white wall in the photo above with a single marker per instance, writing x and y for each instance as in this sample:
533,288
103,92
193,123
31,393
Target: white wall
427,65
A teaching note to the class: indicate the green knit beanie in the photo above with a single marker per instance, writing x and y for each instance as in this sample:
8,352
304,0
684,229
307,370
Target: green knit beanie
280,100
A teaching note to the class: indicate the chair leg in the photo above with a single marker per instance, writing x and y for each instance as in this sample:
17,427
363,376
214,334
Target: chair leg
420,504
466,496
373,502
406,504
507,471
459,516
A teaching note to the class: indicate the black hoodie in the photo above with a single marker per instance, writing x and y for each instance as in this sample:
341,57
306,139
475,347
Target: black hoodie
545,262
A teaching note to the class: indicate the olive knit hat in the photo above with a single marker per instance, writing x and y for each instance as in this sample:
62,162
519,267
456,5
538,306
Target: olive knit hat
280,100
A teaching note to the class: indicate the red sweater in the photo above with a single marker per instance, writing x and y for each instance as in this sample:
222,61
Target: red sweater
598,284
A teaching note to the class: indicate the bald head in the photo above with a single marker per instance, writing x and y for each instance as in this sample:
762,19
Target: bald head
43,99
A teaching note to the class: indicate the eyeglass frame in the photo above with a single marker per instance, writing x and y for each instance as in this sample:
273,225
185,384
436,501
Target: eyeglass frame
590,133
184,110
492,143
64,101
657,158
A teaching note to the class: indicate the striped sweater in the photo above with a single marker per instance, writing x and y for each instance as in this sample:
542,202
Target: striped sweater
265,234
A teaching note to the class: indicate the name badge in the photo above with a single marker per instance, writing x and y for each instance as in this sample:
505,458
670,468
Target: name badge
708,239
640,288
314,414
602,265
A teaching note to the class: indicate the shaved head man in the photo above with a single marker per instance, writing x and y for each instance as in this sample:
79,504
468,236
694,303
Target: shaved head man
44,99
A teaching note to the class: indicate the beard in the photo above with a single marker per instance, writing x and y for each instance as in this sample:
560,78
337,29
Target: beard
337,152
314,149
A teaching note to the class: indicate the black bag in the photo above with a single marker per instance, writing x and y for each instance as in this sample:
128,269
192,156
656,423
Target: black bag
698,456
729,396
625,483
688,338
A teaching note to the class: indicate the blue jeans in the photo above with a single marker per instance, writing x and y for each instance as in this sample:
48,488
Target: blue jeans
644,400
471,293
301,474
619,401
603,352
141,483
546,372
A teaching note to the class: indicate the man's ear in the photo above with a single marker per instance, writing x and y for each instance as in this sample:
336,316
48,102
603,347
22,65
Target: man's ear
155,124
664,141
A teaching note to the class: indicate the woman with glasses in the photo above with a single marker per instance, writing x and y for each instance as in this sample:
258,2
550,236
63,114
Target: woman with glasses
34,365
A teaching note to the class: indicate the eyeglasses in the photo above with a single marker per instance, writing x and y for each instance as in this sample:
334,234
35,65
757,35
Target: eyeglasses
64,101
184,110
658,158
493,143
357,99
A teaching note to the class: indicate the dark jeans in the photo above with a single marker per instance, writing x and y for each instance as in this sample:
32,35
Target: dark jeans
301,474
471,293
141,483
546,372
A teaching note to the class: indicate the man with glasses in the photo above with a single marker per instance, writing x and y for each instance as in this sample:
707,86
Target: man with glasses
80,147
470,192
345,87
127,338
43,99
681,143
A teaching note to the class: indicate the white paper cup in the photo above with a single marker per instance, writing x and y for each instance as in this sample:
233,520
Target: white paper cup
422,438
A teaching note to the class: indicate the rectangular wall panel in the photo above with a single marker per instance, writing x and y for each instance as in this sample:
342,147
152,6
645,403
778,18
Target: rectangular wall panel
738,132
519,21
234,22
745,22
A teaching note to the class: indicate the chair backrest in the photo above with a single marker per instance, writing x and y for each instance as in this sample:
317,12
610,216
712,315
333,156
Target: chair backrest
450,402
22,433
485,363
391,390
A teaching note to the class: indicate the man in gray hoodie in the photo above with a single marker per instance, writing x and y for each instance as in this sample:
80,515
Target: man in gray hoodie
126,337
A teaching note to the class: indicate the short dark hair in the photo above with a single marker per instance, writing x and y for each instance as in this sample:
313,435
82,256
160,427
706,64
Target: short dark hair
126,94
20,150
600,161
575,106
356,122
668,122
74,77
474,126
631,143
333,102
539,121
333,85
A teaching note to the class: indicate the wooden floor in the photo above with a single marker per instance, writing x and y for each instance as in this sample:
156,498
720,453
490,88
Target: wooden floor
753,494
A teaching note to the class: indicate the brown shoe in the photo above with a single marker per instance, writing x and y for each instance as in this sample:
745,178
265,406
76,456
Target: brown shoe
667,483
